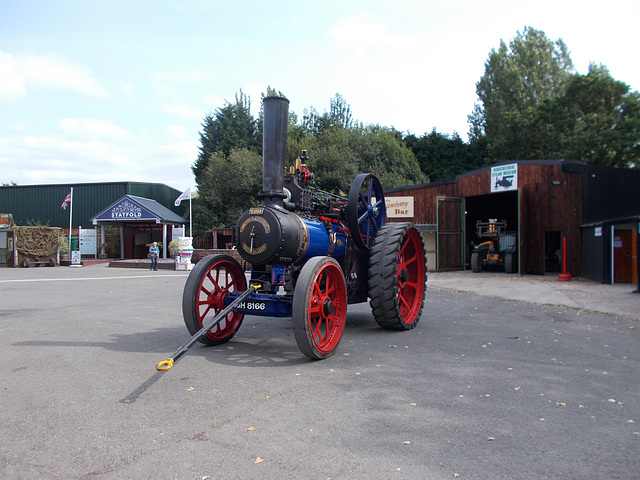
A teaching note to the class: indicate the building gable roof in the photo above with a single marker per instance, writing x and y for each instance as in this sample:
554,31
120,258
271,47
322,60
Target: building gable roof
131,208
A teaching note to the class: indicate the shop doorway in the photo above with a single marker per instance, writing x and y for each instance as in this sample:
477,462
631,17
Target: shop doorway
622,256
450,233
4,241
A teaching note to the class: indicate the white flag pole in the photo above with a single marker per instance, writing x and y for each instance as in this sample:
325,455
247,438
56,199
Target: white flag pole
179,201
70,218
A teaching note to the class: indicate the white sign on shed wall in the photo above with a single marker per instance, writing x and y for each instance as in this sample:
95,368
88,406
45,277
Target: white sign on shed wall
504,178
399,207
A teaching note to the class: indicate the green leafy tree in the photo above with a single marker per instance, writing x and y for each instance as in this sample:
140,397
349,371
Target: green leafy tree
297,142
443,156
340,154
517,80
228,187
229,168
533,105
232,126
338,116
531,134
340,149
334,160
598,120
340,112
383,154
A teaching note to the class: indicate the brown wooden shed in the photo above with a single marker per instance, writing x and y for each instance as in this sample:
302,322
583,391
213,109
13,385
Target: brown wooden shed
542,203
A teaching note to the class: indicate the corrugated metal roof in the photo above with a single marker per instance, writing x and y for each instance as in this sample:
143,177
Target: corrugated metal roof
163,212
42,202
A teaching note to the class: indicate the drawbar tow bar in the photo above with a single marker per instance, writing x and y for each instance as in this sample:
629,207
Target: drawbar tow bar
168,363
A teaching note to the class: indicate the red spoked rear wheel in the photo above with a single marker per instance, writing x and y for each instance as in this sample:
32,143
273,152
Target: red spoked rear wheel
411,275
210,281
319,307
397,276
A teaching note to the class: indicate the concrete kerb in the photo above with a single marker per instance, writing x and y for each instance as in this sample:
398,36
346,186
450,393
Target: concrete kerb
582,294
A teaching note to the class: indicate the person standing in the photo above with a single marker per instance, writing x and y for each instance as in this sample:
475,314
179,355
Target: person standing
154,252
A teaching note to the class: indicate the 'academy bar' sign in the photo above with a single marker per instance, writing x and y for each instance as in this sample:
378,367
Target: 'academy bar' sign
399,207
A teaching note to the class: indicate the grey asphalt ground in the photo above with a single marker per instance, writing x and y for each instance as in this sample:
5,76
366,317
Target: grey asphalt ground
485,387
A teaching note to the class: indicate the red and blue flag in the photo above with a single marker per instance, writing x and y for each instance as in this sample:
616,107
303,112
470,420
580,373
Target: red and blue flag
67,199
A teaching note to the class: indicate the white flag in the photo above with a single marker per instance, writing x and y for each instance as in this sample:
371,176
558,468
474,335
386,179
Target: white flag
186,195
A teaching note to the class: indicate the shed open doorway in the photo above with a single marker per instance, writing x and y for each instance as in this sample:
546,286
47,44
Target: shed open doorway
501,206
552,251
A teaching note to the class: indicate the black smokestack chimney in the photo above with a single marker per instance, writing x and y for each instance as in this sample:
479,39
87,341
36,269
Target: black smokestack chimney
274,148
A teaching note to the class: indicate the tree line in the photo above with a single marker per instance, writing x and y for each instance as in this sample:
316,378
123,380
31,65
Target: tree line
531,105
228,170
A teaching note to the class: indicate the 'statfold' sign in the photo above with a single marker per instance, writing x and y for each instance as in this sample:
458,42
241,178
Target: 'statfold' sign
126,210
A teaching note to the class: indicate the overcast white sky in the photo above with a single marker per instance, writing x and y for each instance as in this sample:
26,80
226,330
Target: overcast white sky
112,90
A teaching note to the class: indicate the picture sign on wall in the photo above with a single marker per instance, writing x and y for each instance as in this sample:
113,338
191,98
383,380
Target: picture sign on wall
504,178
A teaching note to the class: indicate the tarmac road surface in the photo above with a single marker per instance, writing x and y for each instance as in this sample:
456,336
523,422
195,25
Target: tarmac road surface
482,388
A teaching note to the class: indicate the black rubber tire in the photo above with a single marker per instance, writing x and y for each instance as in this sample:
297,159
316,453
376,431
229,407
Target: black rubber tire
318,329
194,297
510,262
396,293
26,263
475,262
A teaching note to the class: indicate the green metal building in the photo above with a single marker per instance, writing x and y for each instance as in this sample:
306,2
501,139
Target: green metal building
42,203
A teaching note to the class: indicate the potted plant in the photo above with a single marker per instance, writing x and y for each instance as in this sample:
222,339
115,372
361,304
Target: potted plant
63,248
173,248
103,250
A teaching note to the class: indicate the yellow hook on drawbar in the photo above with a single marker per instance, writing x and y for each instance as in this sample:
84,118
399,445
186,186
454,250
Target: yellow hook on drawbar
168,363
165,365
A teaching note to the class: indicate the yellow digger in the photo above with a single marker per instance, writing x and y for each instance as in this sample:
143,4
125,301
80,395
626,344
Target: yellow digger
498,248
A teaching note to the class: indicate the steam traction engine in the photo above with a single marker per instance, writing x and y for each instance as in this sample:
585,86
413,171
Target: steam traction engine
311,253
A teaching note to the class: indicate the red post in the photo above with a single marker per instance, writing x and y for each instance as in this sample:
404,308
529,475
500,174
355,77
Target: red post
565,276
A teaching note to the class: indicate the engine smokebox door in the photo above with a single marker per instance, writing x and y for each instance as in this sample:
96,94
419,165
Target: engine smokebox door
266,235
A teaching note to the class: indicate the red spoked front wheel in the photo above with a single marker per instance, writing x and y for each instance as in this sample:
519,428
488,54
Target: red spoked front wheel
319,307
210,281
397,276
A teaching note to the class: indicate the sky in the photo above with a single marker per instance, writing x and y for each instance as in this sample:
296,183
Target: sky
113,90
